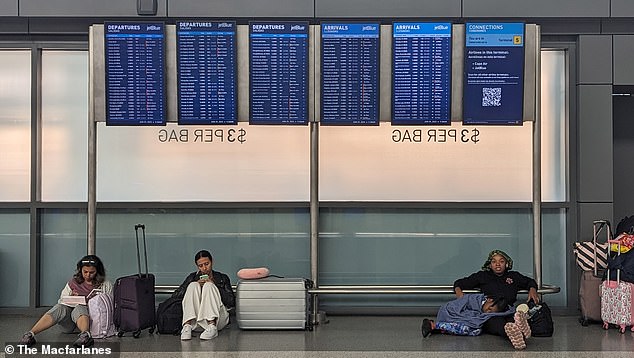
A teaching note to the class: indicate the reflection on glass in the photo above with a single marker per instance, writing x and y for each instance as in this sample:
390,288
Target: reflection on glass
15,125
64,125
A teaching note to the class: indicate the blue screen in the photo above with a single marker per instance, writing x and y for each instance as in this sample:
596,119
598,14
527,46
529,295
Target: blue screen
207,72
350,73
421,73
278,72
494,73
135,73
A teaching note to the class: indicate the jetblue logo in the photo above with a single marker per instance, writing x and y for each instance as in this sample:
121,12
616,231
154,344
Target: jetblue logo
369,28
297,28
225,24
153,28
441,27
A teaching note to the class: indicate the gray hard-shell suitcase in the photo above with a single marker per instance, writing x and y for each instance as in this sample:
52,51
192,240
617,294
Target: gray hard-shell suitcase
589,294
273,303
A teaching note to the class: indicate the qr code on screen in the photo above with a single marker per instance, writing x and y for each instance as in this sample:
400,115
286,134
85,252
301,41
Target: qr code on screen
491,97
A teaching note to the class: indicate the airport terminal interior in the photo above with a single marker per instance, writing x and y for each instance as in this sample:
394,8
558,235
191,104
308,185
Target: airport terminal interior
365,145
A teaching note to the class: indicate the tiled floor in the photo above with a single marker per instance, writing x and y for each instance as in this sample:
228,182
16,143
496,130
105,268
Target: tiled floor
353,336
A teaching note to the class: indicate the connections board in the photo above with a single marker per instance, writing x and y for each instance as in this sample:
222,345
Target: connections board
493,73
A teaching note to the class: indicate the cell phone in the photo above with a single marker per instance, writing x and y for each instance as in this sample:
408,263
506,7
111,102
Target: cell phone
204,277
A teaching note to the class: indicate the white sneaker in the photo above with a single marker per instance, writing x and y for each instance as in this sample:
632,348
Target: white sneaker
210,333
186,332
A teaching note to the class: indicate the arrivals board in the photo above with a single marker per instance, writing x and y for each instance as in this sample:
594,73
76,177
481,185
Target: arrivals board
135,73
350,73
421,73
278,72
207,72
493,73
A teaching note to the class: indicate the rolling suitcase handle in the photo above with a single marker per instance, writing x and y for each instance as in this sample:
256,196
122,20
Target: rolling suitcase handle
138,250
618,270
597,226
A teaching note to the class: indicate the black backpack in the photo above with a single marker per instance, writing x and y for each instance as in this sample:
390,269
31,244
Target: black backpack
169,316
540,319
626,225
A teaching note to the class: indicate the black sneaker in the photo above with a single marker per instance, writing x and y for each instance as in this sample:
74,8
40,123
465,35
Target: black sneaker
426,328
28,339
84,340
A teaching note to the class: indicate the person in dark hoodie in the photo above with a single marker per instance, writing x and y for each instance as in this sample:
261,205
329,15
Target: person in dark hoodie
207,298
496,279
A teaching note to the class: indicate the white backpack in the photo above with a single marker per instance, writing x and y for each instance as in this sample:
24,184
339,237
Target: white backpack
101,310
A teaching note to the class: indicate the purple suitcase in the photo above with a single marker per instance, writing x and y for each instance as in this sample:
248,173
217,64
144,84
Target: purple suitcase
134,297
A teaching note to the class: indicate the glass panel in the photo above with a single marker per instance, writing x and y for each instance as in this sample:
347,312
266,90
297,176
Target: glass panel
236,238
15,125
64,125
14,259
427,247
63,244
217,163
554,125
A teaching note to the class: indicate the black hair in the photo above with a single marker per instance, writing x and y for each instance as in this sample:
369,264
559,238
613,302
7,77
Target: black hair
201,254
91,261
500,304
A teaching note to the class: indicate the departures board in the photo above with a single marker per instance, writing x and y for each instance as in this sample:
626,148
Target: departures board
278,72
350,73
135,73
421,73
207,72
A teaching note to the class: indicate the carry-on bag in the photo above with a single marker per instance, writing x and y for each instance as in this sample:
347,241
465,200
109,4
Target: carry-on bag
617,301
273,303
134,296
594,256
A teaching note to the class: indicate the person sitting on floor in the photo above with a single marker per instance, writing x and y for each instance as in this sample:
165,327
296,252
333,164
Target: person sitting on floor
90,274
465,316
207,299
496,279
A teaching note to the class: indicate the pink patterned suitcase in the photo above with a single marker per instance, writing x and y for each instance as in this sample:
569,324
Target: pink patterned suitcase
617,301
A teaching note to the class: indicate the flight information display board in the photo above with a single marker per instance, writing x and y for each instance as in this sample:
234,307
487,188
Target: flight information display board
207,72
278,72
494,73
350,73
135,73
421,73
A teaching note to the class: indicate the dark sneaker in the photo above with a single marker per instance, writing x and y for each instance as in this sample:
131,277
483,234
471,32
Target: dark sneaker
28,339
84,340
426,328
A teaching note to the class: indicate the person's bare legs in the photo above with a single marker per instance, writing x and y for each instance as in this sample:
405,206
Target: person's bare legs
83,323
45,322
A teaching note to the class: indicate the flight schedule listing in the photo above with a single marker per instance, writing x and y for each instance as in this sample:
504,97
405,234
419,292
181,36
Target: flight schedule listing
278,72
135,73
421,73
207,72
494,73
349,73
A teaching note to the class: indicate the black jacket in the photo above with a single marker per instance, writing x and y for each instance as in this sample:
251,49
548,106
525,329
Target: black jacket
496,286
220,280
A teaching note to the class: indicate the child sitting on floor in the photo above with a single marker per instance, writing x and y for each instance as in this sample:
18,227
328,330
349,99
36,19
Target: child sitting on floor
465,316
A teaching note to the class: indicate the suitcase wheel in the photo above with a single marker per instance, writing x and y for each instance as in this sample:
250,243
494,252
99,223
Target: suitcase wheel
606,325
622,328
120,334
151,330
136,334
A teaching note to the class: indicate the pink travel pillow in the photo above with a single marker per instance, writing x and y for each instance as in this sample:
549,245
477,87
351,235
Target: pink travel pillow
253,273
